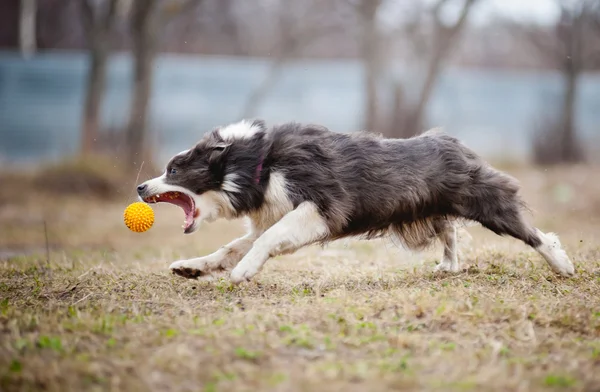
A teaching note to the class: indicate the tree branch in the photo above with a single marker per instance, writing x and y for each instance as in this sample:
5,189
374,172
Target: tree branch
287,49
95,21
109,17
88,15
450,31
444,40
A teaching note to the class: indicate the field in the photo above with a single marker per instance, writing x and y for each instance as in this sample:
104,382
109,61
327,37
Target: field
87,305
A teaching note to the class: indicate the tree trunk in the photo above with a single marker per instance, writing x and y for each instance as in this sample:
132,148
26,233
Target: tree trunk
94,96
397,128
445,39
258,96
571,152
370,55
27,27
415,123
144,25
97,23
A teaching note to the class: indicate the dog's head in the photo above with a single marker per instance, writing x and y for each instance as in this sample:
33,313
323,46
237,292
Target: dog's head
198,179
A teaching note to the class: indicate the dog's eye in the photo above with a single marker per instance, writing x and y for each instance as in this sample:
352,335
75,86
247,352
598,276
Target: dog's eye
173,171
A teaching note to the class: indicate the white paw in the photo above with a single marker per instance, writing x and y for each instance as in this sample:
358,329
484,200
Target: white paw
563,266
194,264
242,274
447,266
555,255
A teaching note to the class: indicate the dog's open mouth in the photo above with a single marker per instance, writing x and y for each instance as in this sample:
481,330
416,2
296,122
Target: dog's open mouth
179,199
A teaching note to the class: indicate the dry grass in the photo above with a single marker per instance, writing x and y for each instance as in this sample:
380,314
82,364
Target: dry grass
104,313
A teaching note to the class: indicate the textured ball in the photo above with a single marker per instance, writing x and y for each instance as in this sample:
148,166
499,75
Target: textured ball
138,217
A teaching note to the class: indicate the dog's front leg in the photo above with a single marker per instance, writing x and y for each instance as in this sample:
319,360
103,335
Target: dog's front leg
223,259
300,227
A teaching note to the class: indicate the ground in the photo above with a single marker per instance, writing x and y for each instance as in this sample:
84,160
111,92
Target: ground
98,309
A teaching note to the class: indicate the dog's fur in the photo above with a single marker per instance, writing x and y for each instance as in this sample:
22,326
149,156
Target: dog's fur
303,184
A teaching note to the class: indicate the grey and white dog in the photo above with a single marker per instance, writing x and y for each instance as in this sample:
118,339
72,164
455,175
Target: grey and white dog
303,184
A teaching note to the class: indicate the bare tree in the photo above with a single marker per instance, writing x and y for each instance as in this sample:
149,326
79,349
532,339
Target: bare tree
433,47
572,46
147,18
98,19
298,25
445,38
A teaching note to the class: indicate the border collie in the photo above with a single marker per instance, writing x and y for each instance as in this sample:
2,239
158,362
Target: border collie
302,184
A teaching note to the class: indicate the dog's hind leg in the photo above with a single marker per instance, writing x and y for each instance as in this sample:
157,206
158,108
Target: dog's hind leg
447,236
299,227
546,244
225,258
498,209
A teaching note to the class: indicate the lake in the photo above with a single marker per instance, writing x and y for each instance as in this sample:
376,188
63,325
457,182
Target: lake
41,101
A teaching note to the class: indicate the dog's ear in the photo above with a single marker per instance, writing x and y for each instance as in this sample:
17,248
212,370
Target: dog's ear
217,150
220,146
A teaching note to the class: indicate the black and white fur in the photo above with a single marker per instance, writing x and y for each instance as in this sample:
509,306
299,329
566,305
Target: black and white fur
303,184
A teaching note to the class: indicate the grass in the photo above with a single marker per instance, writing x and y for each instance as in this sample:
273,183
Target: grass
103,313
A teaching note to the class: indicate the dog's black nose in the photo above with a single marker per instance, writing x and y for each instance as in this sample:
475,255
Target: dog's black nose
142,188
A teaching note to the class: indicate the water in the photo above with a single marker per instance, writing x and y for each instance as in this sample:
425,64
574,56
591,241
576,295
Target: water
41,102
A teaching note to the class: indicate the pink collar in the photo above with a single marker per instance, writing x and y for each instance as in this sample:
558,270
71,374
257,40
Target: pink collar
258,170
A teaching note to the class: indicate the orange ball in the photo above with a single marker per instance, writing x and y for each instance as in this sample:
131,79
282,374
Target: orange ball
138,217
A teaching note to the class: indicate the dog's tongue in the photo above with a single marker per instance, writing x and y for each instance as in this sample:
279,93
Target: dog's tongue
182,201
187,209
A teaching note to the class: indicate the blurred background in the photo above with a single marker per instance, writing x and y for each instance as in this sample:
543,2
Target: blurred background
516,80
95,92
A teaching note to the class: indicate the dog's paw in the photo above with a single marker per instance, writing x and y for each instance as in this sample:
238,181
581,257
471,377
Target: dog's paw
239,275
565,268
190,269
447,266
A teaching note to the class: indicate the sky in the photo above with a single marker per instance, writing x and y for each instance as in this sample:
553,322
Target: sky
533,11
541,11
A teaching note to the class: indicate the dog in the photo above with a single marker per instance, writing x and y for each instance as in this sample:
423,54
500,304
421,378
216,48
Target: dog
301,184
